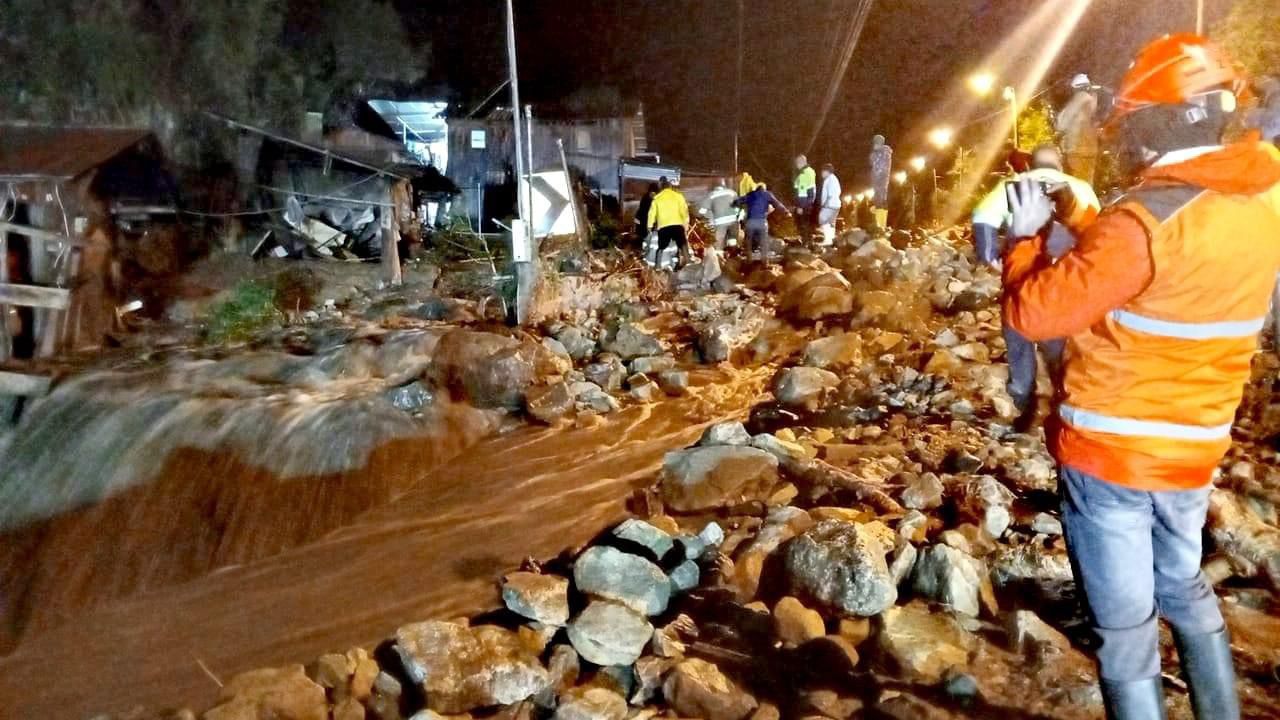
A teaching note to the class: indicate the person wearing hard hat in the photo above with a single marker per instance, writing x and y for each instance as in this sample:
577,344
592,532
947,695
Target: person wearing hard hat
1075,123
1162,300
1076,206
669,215
718,208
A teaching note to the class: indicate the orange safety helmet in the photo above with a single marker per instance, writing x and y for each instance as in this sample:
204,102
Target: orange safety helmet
1173,70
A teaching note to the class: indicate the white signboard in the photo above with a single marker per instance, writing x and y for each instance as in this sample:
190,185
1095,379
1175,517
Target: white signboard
477,139
552,204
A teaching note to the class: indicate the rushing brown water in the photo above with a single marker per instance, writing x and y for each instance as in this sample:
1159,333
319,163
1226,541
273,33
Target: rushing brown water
135,612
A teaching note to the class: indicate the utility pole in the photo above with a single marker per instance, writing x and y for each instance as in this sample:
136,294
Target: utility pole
1200,17
737,97
521,230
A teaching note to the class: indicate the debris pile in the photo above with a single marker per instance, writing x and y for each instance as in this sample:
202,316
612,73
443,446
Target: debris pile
874,540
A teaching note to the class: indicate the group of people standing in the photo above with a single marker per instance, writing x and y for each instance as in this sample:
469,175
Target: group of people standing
742,212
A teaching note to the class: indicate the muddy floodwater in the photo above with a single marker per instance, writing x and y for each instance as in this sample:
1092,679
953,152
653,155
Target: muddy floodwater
214,566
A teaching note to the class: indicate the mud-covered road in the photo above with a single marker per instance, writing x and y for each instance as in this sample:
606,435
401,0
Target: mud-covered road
434,549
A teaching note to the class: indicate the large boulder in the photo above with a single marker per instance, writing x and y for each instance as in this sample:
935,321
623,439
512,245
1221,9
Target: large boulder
697,688
462,668
277,693
704,478
824,295
918,644
953,578
655,541
577,343
608,373
725,433
541,598
609,633
630,342
803,386
842,566
1033,571
549,404
629,579
781,525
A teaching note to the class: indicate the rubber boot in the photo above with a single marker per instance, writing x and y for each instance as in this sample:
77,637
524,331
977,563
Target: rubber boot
1206,666
1135,700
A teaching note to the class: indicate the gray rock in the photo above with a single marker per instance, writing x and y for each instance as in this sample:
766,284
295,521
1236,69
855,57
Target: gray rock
923,492
802,386
922,645
725,433
410,398
590,703
674,382
961,686
653,365
609,633
988,502
953,578
608,374
685,576
544,598
1041,573
629,579
577,343
600,401
1047,524
697,688
658,542
842,566
704,478
557,348
712,534
904,562
549,404
461,668
631,342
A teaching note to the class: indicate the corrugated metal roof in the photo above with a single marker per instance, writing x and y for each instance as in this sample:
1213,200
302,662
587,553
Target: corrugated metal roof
60,153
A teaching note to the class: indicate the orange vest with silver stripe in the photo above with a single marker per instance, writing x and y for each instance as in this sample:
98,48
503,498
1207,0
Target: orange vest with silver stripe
1150,393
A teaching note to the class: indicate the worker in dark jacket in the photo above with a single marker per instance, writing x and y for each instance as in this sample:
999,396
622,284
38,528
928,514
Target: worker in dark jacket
759,203
642,213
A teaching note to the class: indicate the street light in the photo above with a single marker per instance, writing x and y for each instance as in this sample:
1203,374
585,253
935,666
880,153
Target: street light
917,163
900,177
940,137
982,83
1012,96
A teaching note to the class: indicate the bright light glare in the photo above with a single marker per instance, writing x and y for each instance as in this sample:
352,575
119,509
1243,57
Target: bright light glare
900,177
982,83
941,137
917,163
848,198
1009,93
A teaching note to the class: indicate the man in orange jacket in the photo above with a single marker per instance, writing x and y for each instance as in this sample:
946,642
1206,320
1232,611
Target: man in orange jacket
1162,301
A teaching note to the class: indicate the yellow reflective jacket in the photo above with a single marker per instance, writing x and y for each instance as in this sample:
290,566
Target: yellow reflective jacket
669,208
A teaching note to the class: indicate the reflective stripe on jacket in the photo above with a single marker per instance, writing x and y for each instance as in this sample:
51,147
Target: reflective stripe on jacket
1151,391
719,208
669,208
805,185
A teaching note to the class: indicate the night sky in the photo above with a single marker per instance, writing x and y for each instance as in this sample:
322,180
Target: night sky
678,57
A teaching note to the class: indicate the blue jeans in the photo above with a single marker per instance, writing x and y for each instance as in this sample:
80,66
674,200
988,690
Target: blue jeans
1020,353
1134,553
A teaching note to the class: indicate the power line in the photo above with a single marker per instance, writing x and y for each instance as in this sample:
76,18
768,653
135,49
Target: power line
851,43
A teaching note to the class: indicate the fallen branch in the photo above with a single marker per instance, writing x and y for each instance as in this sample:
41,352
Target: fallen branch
817,472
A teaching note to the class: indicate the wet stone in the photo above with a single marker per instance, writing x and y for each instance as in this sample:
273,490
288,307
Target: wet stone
461,668
703,478
609,633
842,566
697,688
544,598
629,579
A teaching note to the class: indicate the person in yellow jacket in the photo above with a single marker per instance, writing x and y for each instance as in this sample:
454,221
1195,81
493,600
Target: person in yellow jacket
1077,206
1162,300
669,215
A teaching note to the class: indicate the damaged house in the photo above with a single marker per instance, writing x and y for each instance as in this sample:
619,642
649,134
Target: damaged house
482,161
81,210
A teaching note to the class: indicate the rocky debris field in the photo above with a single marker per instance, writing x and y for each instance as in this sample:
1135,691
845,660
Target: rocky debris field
873,541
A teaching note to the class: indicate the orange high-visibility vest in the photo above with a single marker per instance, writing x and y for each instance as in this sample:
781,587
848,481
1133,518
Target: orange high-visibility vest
1150,393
